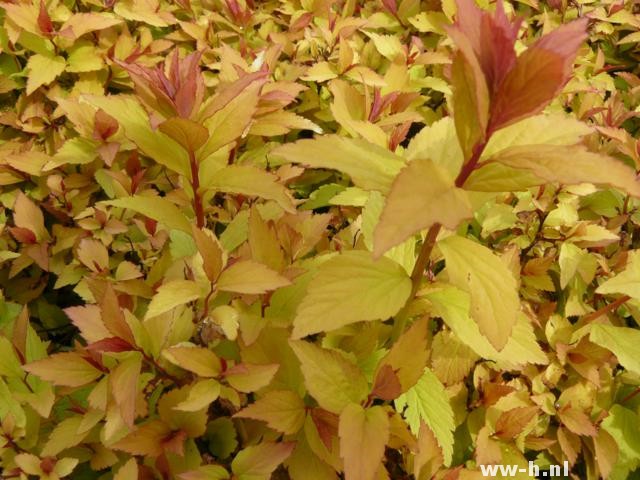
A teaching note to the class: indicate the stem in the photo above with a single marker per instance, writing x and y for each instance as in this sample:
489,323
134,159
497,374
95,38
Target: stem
400,319
631,395
195,186
606,309
423,257
470,166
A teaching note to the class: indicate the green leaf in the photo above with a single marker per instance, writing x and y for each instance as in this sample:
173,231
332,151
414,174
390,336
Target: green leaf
494,294
259,461
622,425
350,288
421,195
171,295
427,402
330,378
622,341
370,167
363,435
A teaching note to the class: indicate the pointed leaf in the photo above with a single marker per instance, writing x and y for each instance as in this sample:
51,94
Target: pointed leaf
421,195
363,435
67,369
247,276
43,70
157,208
570,165
251,181
494,294
349,288
428,402
259,461
171,295
370,167
622,341
546,65
329,377
283,410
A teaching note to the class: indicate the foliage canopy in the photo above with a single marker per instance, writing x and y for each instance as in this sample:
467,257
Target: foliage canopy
318,239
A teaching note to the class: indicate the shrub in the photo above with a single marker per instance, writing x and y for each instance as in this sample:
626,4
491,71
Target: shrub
318,239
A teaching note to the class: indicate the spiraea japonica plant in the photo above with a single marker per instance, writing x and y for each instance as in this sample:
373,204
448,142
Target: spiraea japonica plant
318,239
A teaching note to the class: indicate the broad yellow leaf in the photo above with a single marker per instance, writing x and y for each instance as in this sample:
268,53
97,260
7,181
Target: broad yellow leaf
349,288
283,410
66,434
247,378
470,97
439,143
363,436
201,361
200,396
231,121
421,195
330,378
408,355
187,133
551,129
68,369
570,165
494,291
145,11
80,23
453,306
258,462
26,214
124,386
247,276
622,341
127,471
171,295
146,439
626,282
370,166
43,70
157,208
251,181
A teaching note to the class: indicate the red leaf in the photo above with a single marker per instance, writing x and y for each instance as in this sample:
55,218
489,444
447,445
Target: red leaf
44,20
23,235
327,425
492,38
391,5
191,85
104,125
112,344
538,76
387,384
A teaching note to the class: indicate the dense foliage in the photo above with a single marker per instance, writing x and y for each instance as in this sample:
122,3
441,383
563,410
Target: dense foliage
318,239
